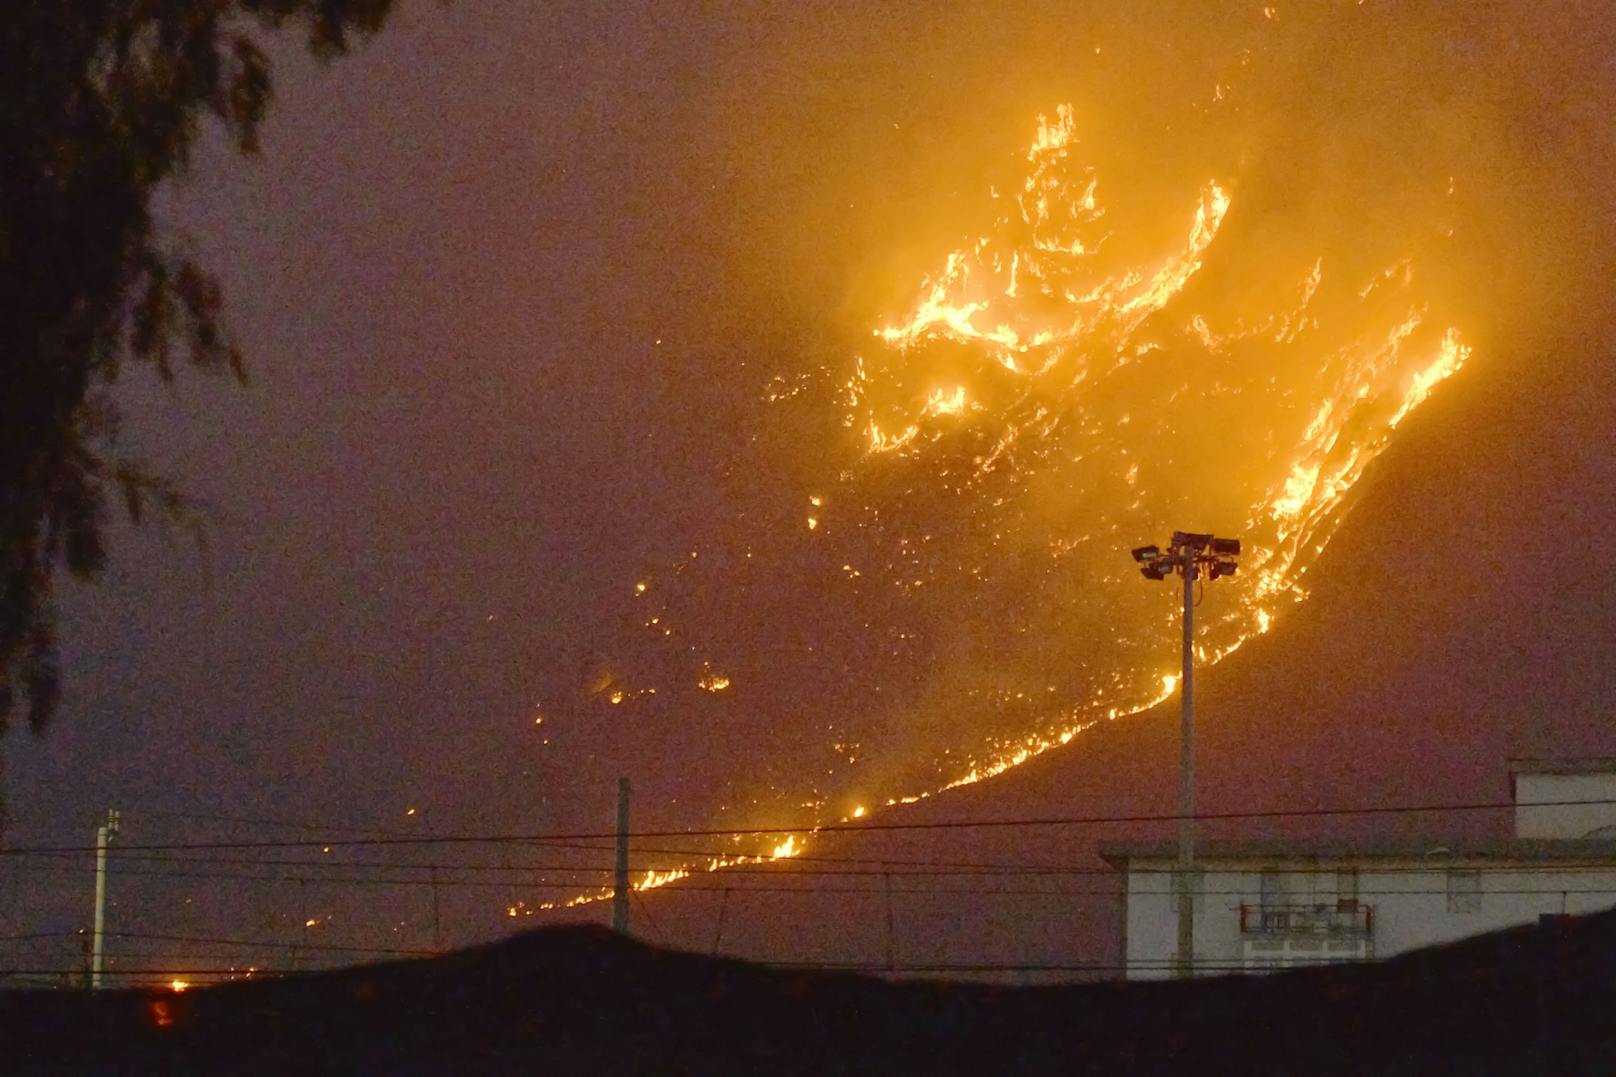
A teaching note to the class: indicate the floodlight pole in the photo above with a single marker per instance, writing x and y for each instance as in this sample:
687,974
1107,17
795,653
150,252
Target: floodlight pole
1187,555
1185,965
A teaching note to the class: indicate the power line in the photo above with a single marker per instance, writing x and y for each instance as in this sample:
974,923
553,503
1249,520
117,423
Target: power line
741,862
391,865
828,966
35,935
783,869
803,865
162,973
645,909
718,854
322,880
874,968
793,865
244,820
817,830
269,945
1554,891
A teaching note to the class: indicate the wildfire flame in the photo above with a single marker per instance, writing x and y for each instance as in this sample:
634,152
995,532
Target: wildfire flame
1063,339
789,847
1077,389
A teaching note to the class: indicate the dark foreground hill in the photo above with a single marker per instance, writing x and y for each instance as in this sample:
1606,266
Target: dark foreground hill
580,1000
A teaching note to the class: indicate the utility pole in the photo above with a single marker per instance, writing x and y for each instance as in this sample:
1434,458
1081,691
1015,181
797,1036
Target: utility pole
620,881
103,837
437,918
1187,554
892,946
303,923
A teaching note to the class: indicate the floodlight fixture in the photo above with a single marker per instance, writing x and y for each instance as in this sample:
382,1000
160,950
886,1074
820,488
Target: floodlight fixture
1146,553
1226,547
1192,539
1156,570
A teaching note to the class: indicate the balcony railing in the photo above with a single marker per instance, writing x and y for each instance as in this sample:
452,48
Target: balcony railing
1340,918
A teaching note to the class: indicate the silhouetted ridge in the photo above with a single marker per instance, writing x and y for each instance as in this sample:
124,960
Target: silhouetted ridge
1534,999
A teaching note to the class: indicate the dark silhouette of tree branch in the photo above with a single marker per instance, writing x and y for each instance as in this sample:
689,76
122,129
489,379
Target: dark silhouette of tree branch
104,101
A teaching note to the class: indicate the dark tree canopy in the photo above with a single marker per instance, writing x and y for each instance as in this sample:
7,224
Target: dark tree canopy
103,101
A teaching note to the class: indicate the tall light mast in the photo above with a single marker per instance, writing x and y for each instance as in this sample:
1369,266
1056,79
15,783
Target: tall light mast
1188,554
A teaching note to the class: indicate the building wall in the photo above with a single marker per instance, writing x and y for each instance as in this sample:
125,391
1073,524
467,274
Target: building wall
1410,902
1565,820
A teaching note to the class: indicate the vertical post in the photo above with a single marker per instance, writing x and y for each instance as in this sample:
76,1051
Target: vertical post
103,837
1185,965
437,920
892,946
302,923
620,881
718,932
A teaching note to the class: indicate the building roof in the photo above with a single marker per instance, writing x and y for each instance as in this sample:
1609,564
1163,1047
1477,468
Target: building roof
1584,765
1436,850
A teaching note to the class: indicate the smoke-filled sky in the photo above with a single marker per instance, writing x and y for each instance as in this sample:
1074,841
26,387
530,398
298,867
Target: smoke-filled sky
760,402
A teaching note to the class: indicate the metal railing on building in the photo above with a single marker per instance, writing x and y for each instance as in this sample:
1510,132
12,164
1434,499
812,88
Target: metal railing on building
1343,917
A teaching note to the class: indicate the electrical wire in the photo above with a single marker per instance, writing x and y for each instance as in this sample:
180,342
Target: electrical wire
645,907
687,886
784,869
818,830
270,945
160,976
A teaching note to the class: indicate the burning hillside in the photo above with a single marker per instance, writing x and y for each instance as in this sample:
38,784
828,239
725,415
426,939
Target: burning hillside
1218,324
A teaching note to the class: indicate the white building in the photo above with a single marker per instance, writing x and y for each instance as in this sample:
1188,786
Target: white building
1271,904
